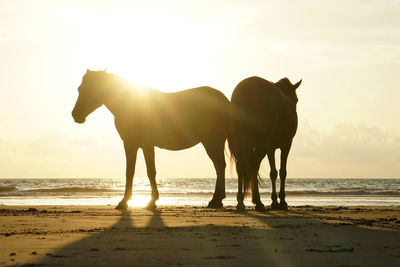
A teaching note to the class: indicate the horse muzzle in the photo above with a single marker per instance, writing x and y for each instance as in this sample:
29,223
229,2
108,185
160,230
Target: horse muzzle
77,119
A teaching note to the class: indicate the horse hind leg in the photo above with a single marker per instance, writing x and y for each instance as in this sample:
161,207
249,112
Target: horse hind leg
240,197
255,191
215,151
240,194
273,174
282,175
256,195
242,155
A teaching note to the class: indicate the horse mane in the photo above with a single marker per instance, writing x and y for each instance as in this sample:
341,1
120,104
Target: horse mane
287,87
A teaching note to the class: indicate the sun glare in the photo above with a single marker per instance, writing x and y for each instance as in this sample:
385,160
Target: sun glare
167,60
139,201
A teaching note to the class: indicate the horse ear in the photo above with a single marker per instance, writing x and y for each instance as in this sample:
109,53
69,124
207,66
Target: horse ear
87,70
297,84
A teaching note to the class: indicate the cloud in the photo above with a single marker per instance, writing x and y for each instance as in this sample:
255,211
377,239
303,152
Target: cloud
54,155
348,150
348,143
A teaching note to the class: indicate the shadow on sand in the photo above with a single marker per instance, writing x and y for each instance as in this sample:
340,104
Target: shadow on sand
227,238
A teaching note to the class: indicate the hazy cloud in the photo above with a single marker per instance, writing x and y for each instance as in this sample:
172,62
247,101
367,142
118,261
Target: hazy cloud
349,143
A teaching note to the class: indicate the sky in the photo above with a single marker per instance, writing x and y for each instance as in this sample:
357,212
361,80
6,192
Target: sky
347,53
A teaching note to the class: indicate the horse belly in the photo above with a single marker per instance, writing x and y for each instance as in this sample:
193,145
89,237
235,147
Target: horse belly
175,141
176,135
185,126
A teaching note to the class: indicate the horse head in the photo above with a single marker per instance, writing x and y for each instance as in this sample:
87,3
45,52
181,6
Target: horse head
91,95
289,89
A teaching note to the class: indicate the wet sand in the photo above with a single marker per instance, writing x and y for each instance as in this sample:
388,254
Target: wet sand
196,236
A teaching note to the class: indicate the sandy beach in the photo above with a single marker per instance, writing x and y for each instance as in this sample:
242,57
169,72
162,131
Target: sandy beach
196,236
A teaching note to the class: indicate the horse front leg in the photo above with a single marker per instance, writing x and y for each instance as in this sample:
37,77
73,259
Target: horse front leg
151,173
282,174
273,174
130,154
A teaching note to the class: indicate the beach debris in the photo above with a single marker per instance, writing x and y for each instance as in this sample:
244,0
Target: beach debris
32,210
76,211
331,250
222,257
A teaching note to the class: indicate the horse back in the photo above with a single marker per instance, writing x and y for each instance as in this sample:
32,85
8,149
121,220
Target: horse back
201,103
179,120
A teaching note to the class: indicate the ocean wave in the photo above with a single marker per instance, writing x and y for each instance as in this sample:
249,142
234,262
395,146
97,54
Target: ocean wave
308,193
7,188
347,193
72,190
6,191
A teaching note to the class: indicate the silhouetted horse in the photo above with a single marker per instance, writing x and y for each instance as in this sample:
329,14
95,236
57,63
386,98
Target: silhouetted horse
263,118
148,118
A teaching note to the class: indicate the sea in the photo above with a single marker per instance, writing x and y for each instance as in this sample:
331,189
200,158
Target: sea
196,191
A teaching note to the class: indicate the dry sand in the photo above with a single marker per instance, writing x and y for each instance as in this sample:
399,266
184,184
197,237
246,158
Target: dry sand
191,236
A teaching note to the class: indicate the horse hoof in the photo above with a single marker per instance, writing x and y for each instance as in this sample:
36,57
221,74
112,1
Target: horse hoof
240,207
151,206
283,206
275,206
215,204
122,206
260,207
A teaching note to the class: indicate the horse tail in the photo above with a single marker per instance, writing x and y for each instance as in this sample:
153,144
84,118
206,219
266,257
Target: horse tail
250,169
247,171
231,154
238,151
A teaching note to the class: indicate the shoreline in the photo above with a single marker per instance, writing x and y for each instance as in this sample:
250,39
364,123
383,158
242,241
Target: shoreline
140,201
180,235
